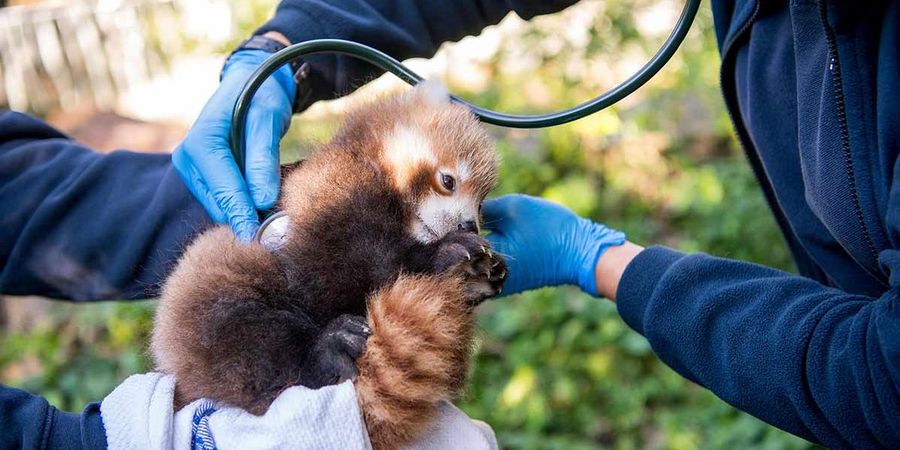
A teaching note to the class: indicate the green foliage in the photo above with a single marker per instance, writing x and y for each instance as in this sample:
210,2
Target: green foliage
554,368
77,354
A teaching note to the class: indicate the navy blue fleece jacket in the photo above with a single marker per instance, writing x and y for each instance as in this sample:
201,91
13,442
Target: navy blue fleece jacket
812,86
82,226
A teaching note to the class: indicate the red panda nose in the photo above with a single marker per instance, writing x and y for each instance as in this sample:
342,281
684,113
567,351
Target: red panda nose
469,226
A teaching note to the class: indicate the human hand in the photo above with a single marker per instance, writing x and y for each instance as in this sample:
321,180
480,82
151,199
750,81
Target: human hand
205,161
546,244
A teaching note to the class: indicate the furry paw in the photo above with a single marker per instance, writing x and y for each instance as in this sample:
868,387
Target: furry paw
470,255
333,357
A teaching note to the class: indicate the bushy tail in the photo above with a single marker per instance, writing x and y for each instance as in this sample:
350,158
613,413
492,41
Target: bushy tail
418,354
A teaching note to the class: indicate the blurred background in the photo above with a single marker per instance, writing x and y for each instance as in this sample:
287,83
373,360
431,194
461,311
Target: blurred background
555,369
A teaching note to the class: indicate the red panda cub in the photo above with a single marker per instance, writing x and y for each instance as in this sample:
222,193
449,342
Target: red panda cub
375,282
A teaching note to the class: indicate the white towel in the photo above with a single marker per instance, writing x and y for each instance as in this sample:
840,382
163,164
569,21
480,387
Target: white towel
138,415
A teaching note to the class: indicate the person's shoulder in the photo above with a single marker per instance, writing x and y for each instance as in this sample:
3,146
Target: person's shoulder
15,125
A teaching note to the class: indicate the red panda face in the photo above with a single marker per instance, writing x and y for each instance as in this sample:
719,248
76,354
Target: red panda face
433,155
441,160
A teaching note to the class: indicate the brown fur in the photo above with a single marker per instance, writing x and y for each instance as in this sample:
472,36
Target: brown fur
238,323
417,356
216,270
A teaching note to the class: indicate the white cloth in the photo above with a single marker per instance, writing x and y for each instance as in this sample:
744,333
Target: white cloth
138,415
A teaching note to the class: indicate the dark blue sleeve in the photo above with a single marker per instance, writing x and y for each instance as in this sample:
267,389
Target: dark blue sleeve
29,422
400,28
80,225
812,360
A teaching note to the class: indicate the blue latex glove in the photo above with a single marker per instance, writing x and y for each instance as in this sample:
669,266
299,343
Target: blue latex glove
204,159
545,244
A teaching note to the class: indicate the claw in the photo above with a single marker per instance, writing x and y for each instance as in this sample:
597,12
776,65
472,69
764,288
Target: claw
468,256
484,249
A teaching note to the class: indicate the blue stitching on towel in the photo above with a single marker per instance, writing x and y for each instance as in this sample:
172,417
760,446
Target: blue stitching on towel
201,435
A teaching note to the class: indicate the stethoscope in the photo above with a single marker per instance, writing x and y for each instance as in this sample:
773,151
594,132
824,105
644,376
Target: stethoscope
274,227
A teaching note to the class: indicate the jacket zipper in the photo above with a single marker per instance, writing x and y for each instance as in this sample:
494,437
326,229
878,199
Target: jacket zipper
838,88
747,145
779,213
747,24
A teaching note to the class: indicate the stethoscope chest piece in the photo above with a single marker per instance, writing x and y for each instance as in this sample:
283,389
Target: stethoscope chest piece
273,232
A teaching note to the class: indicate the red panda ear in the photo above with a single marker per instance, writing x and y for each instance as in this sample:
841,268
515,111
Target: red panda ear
432,92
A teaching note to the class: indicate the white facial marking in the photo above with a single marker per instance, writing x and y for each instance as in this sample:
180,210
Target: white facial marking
404,149
440,214
464,171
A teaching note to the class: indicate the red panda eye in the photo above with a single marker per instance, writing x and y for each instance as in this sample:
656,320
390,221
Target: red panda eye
448,182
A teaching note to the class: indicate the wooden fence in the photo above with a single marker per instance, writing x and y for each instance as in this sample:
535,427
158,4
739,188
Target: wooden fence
82,52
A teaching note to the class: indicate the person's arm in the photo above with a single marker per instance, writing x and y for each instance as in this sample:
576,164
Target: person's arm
29,422
401,28
80,225
611,266
812,360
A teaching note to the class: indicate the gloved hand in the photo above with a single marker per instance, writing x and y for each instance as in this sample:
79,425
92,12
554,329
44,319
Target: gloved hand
545,244
204,159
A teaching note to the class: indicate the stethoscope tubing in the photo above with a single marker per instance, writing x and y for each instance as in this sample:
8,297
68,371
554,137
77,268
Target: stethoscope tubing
389,64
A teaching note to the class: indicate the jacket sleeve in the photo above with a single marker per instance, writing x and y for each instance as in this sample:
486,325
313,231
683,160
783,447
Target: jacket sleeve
401,28
28,422
812,360
80,225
